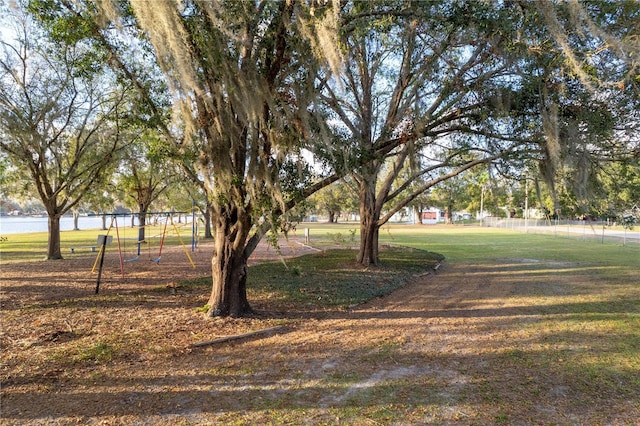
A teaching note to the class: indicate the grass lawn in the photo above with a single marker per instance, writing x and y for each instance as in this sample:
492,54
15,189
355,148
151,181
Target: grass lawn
470,243
33,246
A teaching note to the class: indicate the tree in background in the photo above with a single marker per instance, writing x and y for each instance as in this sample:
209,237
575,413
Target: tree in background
449,196
102,203
59,118
144,173
621,184
334,200
580,61
416,90
4,179
420,203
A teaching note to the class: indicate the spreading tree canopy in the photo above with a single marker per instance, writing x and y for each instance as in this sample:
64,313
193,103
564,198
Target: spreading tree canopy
60,116
415,101
241,78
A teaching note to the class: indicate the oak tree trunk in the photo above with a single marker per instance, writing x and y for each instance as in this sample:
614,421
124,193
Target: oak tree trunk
76,219
369,228
368,254
229,268
142,222
53,245
206,216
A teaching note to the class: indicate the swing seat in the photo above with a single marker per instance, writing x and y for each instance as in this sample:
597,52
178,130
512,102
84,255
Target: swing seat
156,260
133,259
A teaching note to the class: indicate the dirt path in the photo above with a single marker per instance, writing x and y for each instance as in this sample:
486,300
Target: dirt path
442,350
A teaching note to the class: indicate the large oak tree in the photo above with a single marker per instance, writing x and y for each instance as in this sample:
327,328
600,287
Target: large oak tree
241,75
579,63
416,94
59,118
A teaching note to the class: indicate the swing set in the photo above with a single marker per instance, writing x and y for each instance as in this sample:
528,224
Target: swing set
104,239
164,233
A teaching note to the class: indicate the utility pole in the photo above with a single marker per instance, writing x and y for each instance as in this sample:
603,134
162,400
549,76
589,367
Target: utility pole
481,204
526,204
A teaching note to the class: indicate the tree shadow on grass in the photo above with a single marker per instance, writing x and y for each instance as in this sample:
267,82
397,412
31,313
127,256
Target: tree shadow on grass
484,384
602,309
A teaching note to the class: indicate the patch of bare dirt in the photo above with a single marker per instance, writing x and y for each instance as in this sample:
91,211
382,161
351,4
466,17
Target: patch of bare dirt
449,348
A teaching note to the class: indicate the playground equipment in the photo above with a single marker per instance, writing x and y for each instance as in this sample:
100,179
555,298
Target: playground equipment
184,247
103,240
164,233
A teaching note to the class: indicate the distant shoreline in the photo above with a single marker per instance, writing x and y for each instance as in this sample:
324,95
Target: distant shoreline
32,224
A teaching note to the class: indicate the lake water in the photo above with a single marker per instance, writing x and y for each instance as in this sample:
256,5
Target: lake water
26,224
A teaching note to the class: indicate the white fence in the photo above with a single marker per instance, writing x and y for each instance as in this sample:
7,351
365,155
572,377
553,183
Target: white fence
568,228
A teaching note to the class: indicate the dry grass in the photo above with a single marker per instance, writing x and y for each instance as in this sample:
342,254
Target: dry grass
512,341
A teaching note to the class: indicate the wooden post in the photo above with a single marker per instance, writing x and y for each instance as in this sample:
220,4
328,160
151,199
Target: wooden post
102,241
